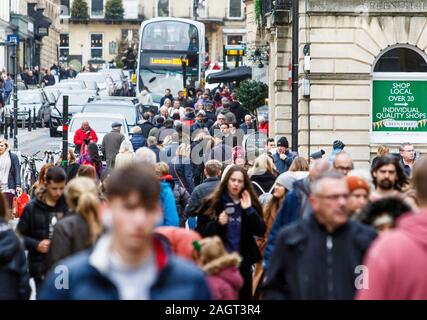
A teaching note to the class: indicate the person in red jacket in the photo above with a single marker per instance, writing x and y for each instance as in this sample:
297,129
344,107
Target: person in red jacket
263,125
83,137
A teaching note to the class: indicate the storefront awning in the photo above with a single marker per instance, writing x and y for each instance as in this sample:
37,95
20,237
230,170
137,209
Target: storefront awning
237,74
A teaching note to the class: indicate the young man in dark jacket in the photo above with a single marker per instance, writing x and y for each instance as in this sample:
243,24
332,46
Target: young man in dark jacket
129,263
201,192
317,258
38,219
146,125
14,276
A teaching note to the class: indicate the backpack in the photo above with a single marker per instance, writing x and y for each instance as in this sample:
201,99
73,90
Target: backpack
266,196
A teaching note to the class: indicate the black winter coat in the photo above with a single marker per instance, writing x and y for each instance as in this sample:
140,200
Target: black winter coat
309,263
200,193
14,276
265,181
145,128
36,224
252,225
182,197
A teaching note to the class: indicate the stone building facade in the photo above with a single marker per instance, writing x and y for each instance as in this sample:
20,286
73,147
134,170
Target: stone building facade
346,41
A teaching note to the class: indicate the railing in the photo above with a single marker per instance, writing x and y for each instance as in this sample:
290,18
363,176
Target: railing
268,6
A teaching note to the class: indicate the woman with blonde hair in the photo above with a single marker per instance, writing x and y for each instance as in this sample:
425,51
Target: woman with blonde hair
263,174
126,155
299,164
78,231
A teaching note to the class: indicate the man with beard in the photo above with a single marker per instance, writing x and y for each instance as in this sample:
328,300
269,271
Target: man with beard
388,177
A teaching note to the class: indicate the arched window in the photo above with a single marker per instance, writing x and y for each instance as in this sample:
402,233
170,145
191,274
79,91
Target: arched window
401,59
163,8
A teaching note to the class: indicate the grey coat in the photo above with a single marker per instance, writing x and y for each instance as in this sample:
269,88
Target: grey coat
111,146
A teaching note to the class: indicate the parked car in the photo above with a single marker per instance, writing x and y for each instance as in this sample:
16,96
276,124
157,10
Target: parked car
52,94
105,83
74,82
127,108
30,100
70,85
77,99
121,86
100,122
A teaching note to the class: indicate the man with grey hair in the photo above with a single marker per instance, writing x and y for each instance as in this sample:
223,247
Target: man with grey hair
318,258
343,163
296,205
407,157
144,156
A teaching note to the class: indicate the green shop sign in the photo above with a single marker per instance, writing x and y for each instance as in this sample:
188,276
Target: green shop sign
399,106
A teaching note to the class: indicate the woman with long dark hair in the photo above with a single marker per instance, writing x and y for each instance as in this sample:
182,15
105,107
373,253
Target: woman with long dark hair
92,158
234,213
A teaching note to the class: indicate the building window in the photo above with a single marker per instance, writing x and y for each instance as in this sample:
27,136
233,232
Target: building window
163,8
65,8
64,47
235,9
401,60
96,45
97,8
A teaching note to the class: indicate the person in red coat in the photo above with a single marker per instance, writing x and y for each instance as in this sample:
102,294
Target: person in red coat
221,268
84,136
263,125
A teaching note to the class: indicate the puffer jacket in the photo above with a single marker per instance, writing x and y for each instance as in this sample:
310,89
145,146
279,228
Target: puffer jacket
14,276
35,225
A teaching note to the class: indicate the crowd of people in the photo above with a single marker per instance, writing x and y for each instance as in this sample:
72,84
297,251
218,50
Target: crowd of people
182,210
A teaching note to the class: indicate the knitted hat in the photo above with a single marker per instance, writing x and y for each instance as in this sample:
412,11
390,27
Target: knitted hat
355,182
283,142
287,180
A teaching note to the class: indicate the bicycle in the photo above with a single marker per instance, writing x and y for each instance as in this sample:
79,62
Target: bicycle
29,173
49,156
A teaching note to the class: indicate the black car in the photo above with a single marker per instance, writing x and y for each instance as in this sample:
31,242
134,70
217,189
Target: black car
77,99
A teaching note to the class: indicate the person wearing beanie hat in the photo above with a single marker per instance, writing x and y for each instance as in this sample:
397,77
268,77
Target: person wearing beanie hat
283,158
359,195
